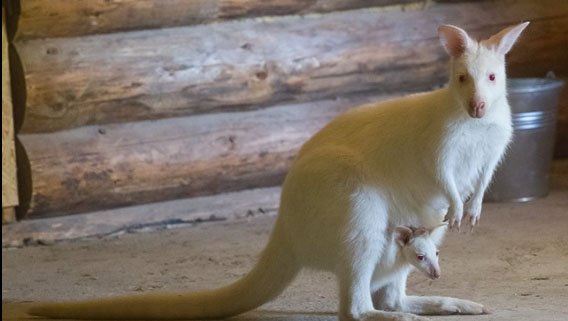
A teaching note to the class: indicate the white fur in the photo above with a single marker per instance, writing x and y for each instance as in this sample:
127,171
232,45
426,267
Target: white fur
406,161
418,248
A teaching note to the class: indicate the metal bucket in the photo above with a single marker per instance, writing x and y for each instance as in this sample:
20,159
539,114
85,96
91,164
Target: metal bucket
524,173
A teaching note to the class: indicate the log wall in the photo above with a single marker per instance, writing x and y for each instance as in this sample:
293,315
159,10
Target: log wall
113,165
125,77
216,102
63,18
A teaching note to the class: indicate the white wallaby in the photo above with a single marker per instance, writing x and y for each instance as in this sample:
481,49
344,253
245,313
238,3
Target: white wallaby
413,247
408,161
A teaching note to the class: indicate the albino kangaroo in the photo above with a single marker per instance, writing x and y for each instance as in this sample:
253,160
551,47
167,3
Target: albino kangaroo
408,161
416,247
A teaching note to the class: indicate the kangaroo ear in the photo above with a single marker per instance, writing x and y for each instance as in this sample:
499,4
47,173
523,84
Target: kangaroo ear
455,40
437,234
402,235
420,231
503,41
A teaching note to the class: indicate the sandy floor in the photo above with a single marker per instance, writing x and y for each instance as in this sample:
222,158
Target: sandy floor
516,263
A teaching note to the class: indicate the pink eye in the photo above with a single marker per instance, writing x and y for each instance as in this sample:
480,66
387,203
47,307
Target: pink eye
420,257
462,78
492,77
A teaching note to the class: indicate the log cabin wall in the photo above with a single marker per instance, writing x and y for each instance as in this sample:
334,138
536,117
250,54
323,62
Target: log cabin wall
128,102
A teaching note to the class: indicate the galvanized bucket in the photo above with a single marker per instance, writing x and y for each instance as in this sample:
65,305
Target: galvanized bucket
524,173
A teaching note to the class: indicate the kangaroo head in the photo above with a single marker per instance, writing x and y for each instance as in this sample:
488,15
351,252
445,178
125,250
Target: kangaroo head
419,247
477,77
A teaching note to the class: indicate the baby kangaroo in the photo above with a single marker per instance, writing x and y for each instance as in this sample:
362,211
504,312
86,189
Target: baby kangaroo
411,161
418,247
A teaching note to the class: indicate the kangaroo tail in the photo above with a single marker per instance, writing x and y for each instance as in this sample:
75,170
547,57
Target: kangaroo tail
274,271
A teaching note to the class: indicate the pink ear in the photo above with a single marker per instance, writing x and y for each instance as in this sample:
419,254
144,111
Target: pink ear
402,235
455,40
503,41
420,231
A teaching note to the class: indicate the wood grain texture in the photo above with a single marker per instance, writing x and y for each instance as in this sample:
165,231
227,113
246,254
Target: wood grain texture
177,213
9,180
242,205
100,167
64,18
8,215
253,64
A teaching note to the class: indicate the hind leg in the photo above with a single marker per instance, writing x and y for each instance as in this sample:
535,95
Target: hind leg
355,296
355,291
392,297
363,244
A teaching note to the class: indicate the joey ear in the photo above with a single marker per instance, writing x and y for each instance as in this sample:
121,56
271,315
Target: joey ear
420,231
455,40
437,233
503,41
402,235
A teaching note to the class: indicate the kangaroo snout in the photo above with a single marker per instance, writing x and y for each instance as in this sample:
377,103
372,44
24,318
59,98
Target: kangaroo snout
435,274
476,108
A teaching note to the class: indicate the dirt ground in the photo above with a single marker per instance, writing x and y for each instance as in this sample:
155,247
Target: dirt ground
516,263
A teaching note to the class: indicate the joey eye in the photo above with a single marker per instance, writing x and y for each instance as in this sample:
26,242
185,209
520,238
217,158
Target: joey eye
461,78
492,77
437,253
420,257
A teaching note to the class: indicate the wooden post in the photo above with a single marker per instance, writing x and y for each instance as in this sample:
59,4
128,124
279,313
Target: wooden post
9,181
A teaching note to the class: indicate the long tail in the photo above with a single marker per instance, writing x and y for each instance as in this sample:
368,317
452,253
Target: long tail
274,271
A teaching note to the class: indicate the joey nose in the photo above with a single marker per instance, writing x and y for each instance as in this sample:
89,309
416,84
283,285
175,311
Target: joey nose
435,274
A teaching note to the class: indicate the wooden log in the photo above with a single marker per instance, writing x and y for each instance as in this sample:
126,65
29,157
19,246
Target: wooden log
99,167
233,206
9,179
63,18
124,77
